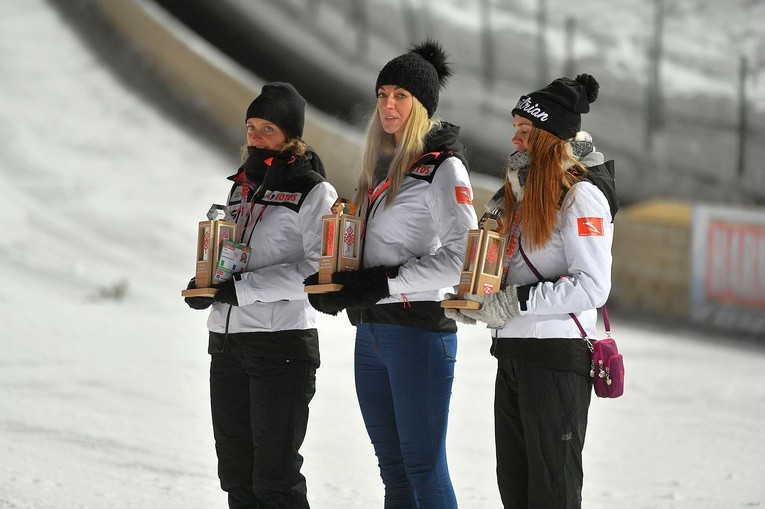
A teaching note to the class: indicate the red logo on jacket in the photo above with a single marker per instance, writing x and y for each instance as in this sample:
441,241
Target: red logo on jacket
590,226
463,195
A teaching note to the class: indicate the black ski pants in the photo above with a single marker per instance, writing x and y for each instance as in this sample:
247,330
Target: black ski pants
540,419
260,414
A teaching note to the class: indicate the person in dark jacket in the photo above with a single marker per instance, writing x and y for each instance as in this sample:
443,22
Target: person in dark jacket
415,197
557,206
263,341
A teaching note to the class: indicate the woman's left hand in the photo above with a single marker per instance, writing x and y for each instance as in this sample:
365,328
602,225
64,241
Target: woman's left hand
227,293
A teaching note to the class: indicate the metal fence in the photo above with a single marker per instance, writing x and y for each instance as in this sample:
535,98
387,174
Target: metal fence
681,81
682,99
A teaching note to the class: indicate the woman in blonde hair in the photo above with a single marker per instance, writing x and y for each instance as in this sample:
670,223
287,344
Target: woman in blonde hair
416,200
557,204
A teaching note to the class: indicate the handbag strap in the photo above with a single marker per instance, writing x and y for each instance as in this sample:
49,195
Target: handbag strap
606,321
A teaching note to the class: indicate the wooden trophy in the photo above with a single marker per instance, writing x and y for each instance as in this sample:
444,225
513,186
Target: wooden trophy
210,237
482,268
340,245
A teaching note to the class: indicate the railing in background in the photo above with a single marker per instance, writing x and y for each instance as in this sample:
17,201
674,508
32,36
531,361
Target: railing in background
683,103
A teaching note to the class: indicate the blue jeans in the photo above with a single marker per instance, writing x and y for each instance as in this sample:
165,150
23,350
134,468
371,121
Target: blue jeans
404,384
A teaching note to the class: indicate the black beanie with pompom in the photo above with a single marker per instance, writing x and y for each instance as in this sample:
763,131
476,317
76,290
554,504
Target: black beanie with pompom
423,71
558,107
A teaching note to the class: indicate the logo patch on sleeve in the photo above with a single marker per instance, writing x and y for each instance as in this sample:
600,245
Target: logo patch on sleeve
463,195
590,226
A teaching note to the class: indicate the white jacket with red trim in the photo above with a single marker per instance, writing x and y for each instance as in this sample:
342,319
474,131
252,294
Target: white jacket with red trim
577,263
424,231
283,230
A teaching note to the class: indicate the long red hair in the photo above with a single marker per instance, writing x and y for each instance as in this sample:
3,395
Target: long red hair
546,183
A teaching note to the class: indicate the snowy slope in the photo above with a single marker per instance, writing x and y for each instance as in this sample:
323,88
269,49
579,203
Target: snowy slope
103,401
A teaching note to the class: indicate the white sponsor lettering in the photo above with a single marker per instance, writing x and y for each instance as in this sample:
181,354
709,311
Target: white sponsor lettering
524,104
282,197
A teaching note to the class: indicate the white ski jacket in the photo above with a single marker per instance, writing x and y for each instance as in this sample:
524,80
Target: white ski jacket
577,265
424,231
283,230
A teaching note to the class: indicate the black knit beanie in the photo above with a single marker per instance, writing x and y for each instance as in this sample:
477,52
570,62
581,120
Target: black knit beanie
558,107
282,105
422,71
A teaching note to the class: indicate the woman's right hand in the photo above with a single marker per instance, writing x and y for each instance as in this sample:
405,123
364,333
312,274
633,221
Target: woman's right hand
197,302
456,314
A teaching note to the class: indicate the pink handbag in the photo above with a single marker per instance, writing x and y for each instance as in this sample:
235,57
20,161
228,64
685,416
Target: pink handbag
606,363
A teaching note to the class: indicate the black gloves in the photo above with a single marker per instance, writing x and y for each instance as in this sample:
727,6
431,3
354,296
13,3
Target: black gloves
324,302
365,287
227,292
362,288
197,302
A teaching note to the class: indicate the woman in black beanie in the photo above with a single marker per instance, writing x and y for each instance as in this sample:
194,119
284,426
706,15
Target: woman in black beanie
557,206
263,341
416,200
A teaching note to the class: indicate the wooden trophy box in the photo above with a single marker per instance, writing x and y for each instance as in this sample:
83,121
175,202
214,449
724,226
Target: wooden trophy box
210,237
340,245
482,267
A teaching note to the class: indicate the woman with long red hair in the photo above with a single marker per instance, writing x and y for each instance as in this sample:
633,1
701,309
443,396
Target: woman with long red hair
557,264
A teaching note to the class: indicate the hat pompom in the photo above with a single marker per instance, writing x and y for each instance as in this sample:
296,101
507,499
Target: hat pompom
432,51
591,85
423,71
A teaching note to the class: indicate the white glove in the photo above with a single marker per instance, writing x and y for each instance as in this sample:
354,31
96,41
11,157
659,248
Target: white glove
456,314
496,308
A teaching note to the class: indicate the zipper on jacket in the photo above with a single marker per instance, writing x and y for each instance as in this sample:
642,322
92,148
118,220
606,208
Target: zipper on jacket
225,333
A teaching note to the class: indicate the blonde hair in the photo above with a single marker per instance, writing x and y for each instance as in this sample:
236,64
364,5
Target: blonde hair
294,146
546,184
379,144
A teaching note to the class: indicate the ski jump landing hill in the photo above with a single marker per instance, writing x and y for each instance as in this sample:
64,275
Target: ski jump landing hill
667,261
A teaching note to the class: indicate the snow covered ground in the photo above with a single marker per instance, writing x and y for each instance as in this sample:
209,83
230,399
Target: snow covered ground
103,370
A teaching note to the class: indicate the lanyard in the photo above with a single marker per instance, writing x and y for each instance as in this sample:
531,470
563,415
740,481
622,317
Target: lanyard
372,197
513,241
257,220
243,218
375,193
